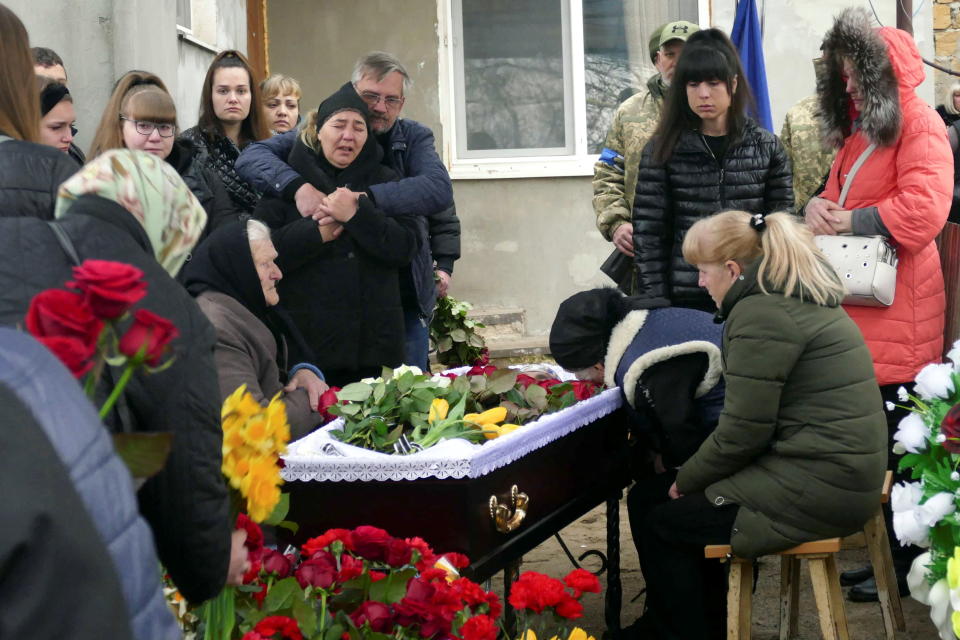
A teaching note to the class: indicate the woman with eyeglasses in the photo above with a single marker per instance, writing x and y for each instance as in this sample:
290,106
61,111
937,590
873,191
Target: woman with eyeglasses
230,119
141,115
30,173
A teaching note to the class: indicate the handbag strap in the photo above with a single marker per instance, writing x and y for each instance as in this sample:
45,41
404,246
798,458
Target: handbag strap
853,172
65,242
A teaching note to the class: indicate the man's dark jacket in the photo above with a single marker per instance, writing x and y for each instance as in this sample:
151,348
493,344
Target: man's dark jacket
30,176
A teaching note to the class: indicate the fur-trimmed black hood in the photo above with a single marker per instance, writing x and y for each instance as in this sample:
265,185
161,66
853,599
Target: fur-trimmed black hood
888,65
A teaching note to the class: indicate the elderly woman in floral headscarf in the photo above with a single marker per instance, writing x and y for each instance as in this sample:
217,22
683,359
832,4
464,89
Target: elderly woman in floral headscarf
132,207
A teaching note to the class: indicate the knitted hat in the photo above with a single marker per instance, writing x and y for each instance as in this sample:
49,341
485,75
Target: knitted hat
344,99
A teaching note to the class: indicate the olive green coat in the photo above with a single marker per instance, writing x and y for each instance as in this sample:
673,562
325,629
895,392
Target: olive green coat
801,442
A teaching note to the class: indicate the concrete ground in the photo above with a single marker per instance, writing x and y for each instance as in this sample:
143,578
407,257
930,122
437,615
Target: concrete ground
864,620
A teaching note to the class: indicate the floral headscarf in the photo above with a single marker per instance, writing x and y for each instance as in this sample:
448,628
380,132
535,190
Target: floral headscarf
152,191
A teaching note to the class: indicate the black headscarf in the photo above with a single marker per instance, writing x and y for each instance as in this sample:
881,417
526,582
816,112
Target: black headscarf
584,322
224,263
315,167
51,96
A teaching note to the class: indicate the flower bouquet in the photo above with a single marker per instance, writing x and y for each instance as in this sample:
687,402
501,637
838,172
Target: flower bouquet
925,512
454,334
406,410
91,326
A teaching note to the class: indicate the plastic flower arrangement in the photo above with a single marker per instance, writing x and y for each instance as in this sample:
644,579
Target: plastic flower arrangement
406,410
924,511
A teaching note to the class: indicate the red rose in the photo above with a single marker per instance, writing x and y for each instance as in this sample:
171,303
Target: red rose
110,288
64,314
275,562
581,580
319,571
350,568
377,576
271,626
73,353
479,628
950,427
398,553
483,370
148,337
371,542
327,399
549,382
569,608
525,381
320,543
484,358
583,389
376,614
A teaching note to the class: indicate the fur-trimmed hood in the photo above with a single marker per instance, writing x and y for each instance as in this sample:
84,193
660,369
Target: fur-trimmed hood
888,67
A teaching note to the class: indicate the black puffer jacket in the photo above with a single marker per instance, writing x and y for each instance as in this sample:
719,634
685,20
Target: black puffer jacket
186,504
220,154
204,183
30,175
754,176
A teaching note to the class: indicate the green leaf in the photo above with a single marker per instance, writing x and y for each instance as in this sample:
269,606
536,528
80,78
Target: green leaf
501,381
350,409
458,335
145,454
280,511
405,382
379,390
445,343
355,392
293,527
281,594
392,588
536,396
305,615
476,340
333,632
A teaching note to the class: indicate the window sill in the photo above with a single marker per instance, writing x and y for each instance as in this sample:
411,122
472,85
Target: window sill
540,167
187,36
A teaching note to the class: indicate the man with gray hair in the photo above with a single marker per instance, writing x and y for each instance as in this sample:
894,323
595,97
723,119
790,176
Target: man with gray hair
424,190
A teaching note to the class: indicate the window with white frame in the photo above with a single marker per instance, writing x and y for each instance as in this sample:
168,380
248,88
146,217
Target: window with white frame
534,83
184,15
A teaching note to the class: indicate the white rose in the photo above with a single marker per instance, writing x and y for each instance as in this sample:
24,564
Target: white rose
909,529
912,433
399,371
441,381
371,380
938,507
954,355
917,578
934,381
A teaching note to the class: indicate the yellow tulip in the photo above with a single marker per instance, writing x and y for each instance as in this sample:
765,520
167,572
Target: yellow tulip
491,431
953,569
438,410
528,635
490,416
579,634
508,428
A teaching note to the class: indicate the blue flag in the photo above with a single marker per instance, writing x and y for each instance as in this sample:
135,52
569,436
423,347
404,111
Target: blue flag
749,42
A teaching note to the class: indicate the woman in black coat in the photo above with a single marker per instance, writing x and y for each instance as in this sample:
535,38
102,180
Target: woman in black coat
705,156
132,207
341,282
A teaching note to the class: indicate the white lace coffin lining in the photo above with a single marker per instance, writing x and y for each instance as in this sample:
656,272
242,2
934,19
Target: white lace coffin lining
318,456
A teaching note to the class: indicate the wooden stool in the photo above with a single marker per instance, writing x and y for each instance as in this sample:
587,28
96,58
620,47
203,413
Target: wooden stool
822,562
874,537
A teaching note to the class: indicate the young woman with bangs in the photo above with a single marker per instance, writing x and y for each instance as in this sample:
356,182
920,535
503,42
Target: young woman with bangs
705,156
141,115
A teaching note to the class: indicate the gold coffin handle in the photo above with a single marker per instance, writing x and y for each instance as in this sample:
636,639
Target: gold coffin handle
507,518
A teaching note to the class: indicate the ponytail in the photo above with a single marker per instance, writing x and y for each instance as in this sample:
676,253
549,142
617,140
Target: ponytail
789,259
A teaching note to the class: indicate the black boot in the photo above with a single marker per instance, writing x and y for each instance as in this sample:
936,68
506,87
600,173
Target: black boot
856,576
866,591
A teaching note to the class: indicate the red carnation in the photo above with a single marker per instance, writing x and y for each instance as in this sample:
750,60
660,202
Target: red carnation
569,608
376,614
950,427
427,558
581,580
371,542
398,553
109,288
271,626
320,543
479,628
148,338
458,560
253,544
350,568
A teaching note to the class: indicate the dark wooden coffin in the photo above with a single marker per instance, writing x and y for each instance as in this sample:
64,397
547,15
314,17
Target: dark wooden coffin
563,480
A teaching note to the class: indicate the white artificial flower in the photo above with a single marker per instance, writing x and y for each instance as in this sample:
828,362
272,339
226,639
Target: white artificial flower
938,507
910,530
955,476
912,433
889,405
954,355
441,381
402,369
917,578
940,609
905,496
934,381
902,394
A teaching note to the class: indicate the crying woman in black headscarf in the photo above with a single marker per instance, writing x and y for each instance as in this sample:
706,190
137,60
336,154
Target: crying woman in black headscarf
234,276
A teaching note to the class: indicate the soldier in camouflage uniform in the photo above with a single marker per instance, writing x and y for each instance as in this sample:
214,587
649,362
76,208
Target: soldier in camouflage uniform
811,159
614,185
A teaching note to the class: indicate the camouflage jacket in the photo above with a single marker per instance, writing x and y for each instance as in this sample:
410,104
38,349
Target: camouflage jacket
811,159
633,124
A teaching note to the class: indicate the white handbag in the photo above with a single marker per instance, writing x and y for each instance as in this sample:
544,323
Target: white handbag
867,265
